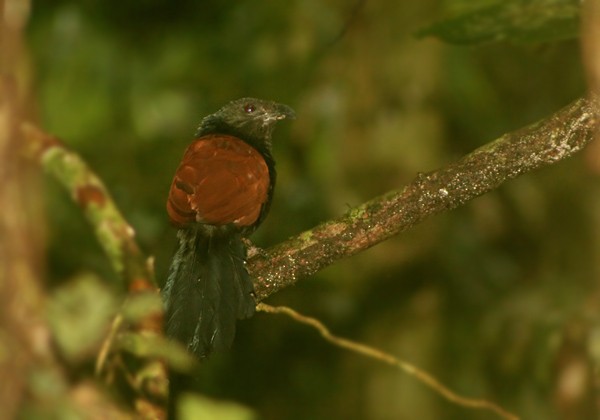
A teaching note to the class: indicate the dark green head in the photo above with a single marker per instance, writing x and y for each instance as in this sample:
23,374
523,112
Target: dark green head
250,119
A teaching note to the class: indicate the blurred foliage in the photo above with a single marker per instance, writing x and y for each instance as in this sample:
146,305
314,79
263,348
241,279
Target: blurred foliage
196,407
514,20
498,299
79,313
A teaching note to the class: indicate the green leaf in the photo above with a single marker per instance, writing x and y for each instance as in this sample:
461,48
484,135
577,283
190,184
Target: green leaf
79,314
155,346
138,307
192,406
522,21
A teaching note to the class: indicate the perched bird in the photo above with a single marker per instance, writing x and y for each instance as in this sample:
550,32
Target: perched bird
220,194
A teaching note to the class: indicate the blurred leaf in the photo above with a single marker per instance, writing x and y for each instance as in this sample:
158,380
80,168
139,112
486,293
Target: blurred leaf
139,307
152,379
79,315
156,346
49,399
196,407
47,384
52,399
514,20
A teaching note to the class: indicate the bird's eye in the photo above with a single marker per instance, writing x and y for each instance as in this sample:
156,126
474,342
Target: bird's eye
249,108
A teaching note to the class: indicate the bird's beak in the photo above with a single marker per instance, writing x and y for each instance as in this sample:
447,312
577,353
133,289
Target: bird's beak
283,111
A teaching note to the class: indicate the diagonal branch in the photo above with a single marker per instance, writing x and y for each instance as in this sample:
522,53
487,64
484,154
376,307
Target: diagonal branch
544,143
113,232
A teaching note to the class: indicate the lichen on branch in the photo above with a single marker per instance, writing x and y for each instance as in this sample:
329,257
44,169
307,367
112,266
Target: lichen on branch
543,143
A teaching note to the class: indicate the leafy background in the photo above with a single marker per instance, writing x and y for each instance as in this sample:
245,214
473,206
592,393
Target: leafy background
498,299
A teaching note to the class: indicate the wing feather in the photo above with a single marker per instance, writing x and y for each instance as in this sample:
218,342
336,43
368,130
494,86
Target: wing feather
221,180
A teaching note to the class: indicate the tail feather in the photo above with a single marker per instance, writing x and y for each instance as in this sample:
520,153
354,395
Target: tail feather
208,290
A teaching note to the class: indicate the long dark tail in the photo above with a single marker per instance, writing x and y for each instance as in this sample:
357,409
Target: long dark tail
208,289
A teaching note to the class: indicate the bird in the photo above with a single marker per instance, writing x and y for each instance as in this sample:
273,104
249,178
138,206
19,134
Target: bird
221,192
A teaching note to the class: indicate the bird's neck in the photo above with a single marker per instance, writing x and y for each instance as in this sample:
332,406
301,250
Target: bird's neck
257,137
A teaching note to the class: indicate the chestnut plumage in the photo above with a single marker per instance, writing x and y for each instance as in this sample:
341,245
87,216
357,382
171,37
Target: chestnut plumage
220,193
221,180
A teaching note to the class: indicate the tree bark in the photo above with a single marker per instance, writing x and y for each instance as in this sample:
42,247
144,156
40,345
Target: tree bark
544,143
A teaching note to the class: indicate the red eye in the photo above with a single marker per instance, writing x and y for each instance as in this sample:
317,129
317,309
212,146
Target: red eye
249,108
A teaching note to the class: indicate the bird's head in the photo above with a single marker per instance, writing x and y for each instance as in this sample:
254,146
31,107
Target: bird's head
250,119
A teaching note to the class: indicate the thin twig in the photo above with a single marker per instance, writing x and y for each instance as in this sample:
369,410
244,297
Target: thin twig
374,353
107,344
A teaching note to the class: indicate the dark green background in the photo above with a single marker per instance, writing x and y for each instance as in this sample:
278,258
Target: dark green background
496,299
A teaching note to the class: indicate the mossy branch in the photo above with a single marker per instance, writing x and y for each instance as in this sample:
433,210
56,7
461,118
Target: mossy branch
544,143
541,144
113,232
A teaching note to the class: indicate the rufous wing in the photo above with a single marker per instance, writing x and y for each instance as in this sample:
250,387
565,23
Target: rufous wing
221,180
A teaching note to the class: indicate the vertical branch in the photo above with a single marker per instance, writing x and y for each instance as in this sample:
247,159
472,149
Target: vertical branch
590,40
23,335
590,47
